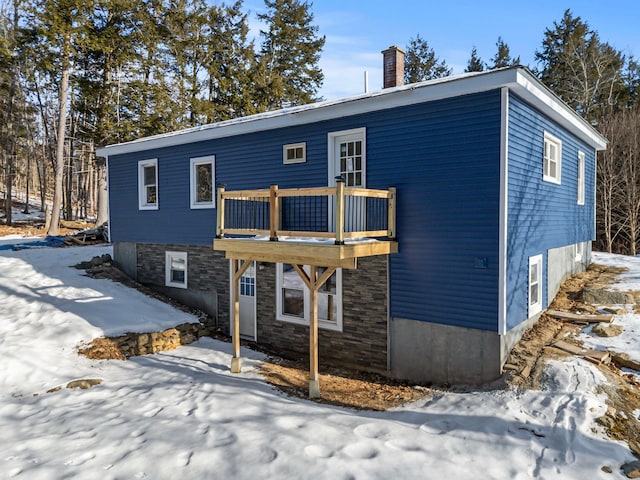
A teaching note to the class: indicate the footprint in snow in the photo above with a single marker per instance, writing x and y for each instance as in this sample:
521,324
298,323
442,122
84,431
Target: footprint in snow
202,429
80,460
438,427
152,411
403,445
290,423
371,430
260,454
220,437
318,451
184,458
361,451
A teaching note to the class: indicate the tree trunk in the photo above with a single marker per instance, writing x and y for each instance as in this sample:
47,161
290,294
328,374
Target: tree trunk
103,198
62,123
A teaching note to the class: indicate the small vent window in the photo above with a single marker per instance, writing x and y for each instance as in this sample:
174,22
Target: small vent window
294,153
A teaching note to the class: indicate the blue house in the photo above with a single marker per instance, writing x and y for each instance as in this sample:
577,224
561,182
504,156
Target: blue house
479,191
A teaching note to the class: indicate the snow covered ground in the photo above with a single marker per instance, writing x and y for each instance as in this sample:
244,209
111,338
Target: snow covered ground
627,342
181,414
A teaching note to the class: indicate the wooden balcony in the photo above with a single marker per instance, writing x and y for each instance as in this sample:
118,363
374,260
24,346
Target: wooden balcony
326,226
321,227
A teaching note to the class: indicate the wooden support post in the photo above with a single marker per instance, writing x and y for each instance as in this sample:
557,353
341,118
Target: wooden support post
237,271
274,213
236,363
314,382
339,216
220,213
391,211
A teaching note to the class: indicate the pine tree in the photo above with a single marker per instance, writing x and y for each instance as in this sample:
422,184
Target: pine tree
288,65
582,70
502,58
232,59
475,63
421,62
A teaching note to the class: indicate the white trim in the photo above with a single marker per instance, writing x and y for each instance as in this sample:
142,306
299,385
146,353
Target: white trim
193,163
331,137
336,326
142,197
504,211
168,256
255,303
581,178
536,307
108,200
557,143
293,146
519,79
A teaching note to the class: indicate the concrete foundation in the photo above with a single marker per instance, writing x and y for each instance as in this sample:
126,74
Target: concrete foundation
432,353
563,262
126,258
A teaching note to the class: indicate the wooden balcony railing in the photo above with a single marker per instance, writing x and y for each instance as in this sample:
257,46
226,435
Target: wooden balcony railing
337,213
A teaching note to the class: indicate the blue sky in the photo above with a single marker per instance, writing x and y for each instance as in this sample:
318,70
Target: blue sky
357,31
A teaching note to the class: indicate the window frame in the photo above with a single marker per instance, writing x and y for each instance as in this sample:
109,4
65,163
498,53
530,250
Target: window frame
193,181
142,187
324,324
293,146
534,307
552,140
581,178
168,256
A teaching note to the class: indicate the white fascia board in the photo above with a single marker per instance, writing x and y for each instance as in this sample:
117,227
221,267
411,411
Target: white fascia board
533,91
411,94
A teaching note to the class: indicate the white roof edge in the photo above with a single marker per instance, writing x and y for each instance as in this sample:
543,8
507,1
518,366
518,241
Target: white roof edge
538,94
517,78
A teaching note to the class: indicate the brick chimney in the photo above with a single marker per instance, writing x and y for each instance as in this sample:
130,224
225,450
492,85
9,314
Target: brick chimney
393,66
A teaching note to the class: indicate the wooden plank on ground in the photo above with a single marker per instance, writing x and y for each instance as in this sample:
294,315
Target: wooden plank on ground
569,347
580,318
598,357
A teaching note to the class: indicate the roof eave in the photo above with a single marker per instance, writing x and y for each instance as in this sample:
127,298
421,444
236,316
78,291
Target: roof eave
517,78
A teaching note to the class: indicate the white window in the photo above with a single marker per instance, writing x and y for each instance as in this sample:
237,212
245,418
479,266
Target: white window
552,158
294,153
176,269
580,178
203,174
148,184
535,285
292,298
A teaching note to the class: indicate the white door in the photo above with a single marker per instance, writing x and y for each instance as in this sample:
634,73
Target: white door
348,160
247,297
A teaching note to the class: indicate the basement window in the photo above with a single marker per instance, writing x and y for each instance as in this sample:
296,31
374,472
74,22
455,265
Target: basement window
552,159
293,299
176,269
148,184
294,153
535,285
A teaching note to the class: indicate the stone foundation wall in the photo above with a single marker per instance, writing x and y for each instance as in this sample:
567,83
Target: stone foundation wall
207,277
363,340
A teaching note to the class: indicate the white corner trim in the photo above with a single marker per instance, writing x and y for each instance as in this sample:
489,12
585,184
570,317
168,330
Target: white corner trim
504,204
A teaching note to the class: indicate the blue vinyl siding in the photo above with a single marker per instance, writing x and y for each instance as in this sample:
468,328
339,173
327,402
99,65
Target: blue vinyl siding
443,157
541,215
